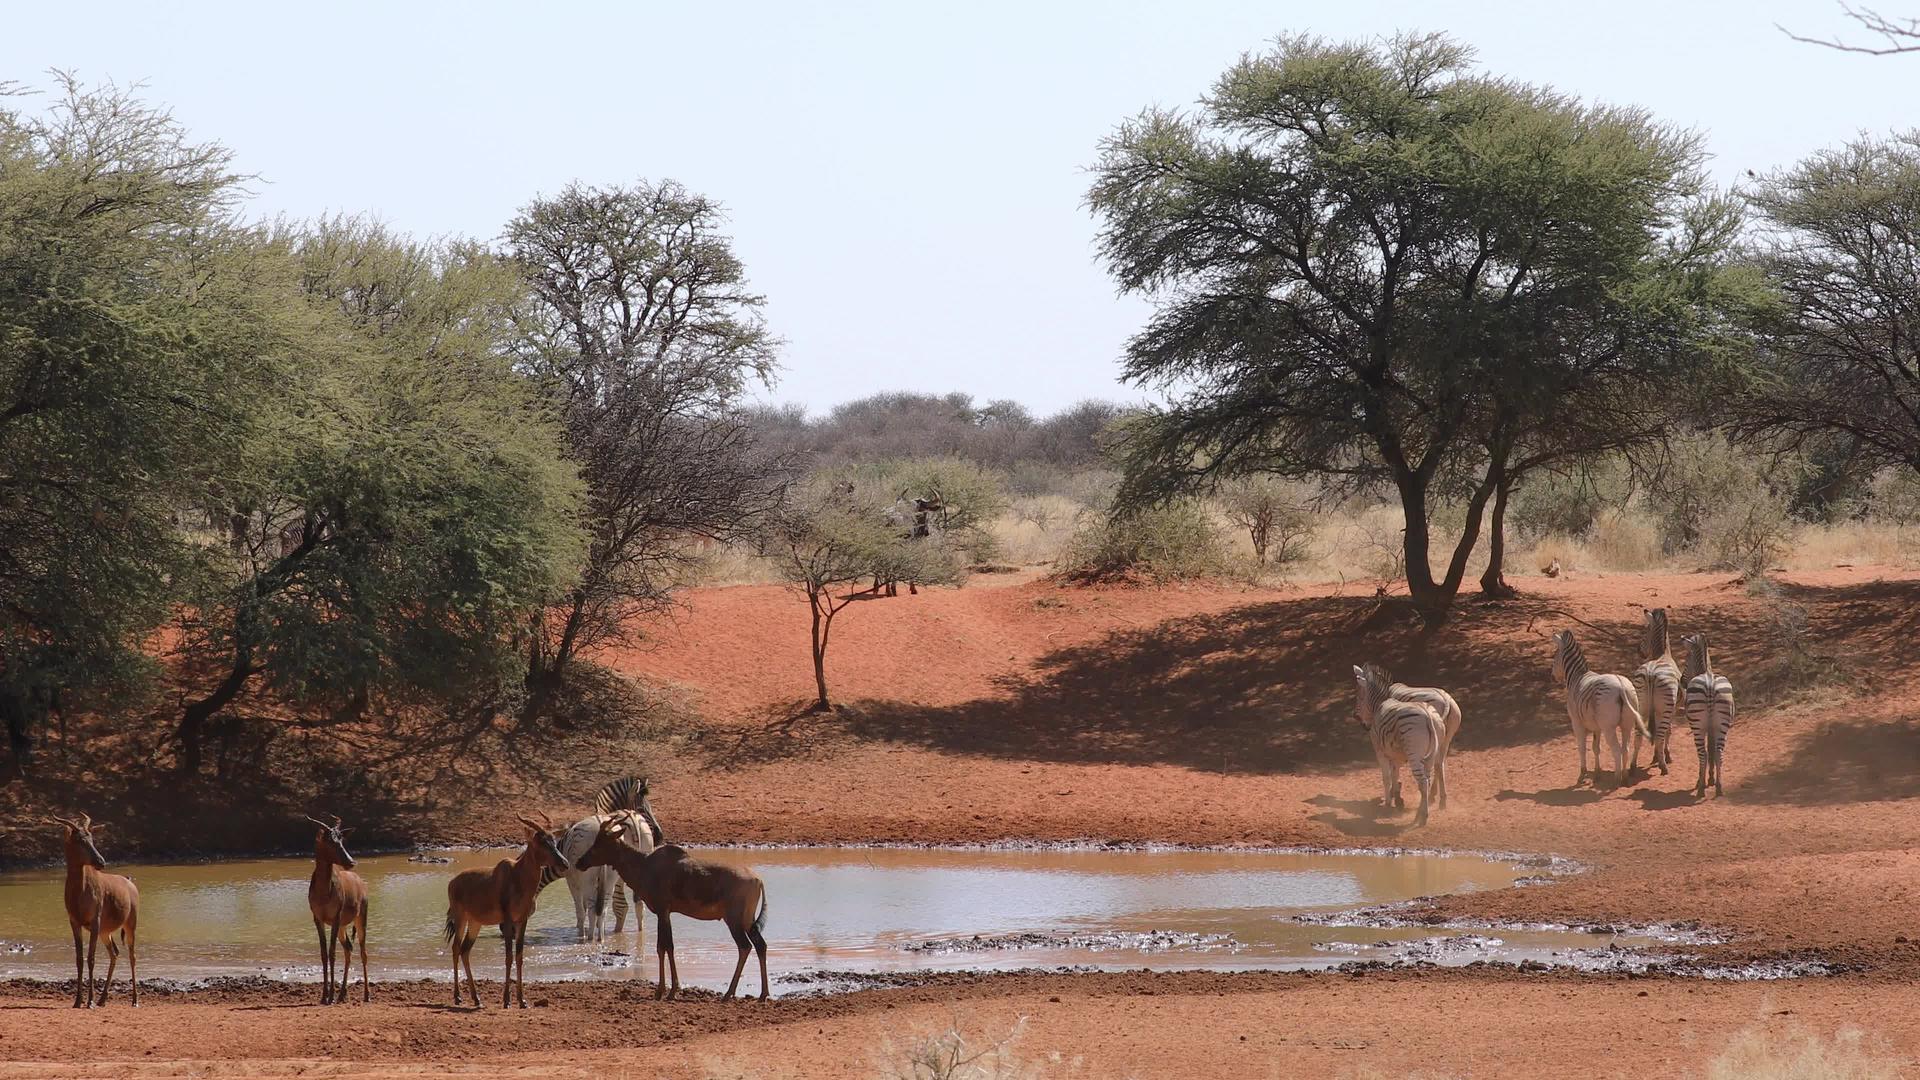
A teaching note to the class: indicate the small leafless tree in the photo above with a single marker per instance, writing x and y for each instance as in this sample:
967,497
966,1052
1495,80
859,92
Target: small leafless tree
1274,515
641,323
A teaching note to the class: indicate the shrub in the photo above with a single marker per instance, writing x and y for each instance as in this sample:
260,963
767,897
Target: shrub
1172,541
1275,516
1757,1054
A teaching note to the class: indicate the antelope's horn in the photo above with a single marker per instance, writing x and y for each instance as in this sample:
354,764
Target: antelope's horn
315,820
60,821
86,822
336,821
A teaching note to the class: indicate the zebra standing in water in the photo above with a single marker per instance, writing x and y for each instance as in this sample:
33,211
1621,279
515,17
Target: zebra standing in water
1660,692
1441,702
1597,704
623,800
1709,711
1406,733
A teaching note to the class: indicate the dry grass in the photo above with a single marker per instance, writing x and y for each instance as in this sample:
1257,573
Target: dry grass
1759,1054
1854,543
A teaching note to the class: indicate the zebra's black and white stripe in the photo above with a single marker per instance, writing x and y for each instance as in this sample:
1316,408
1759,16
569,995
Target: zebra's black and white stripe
1598,704
1408,733
1660,690
628,793
595,890
1441,702
1710,712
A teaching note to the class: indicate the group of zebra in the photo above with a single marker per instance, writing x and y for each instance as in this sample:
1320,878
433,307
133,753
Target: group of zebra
1648,705
1413,727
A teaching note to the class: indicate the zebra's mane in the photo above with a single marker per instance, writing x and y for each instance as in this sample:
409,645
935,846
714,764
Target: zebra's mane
626,793
1572,661
1699,660
1373,688
1656,644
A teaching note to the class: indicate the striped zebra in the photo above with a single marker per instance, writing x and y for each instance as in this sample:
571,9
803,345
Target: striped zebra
1598,705
1710,711
1660,693
593,890
1441,702
1408,733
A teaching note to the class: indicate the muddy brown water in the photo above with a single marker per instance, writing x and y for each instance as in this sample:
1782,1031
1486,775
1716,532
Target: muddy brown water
855,910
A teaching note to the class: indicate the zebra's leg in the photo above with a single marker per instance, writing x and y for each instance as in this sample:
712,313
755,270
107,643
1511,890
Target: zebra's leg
578,887
1423,780
1580,747
1617,742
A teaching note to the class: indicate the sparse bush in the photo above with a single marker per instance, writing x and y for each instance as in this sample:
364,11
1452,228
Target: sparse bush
954,1055
1170,542
1548,503
1275,516
1758,1054
1623,540
1748,533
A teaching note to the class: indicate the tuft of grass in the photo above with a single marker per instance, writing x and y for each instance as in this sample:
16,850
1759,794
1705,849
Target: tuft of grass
1758,1054
952,1054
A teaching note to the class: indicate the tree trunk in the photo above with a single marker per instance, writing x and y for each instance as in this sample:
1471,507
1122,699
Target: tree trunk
1494,581
193,721
820,628
1416,542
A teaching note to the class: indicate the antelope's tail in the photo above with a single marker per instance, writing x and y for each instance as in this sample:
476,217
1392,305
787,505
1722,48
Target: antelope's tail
760,920
452,927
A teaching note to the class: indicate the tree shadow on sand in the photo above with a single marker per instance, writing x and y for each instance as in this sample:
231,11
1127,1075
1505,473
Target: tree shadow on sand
1263,688
1844,761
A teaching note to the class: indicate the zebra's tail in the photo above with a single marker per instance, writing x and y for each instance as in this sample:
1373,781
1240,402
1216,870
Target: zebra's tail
1639,721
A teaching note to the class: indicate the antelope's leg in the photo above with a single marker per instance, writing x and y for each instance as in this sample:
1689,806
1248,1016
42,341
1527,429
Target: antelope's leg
366,991
113,961
520,964
506,988
326,967
93,950
740,941
466,954
760,947
80,964
453,949
672,965
133,967
333,948
344,930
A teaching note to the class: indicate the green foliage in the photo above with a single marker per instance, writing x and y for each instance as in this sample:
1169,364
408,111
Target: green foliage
1568,503
963,500
1374,264
405,512
126,372
1169,541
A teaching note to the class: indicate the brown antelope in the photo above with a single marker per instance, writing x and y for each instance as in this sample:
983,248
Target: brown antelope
672,882
338,899
503,897
98,903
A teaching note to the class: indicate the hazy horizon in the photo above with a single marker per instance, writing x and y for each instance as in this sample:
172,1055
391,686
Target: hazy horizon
905,186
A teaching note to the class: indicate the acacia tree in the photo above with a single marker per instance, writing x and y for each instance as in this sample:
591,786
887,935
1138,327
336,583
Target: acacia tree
125,382
1840,241
402,509
1375,266
643,333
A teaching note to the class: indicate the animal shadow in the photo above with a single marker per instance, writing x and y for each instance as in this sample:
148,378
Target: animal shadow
1553,796
1664,800
1360,817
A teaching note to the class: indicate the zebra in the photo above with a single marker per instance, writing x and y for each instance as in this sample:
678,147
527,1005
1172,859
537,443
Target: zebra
1597,704
1409,733
624,800
1710,711
1660,691
1441,702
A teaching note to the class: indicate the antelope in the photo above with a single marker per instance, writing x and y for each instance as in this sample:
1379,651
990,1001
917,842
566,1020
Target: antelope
672,882
98,903
338,899
503,897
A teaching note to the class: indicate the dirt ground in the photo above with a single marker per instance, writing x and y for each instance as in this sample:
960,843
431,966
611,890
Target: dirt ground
1018,709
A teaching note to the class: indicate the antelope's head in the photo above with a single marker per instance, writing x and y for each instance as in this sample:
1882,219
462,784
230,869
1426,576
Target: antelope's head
607,842
330,844
80,848
544,842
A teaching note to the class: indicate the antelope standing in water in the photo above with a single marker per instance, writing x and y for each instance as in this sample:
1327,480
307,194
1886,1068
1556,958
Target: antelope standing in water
98,903
671,882
503,897
338,899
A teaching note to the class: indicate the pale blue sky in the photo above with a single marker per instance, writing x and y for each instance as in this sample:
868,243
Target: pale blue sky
905,180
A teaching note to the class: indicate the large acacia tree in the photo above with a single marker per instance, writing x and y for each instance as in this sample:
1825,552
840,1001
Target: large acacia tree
1373,264
643,332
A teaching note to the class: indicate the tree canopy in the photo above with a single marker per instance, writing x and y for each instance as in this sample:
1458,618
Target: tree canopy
1375,264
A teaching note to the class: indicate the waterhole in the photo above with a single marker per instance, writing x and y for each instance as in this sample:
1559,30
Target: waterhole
843,910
